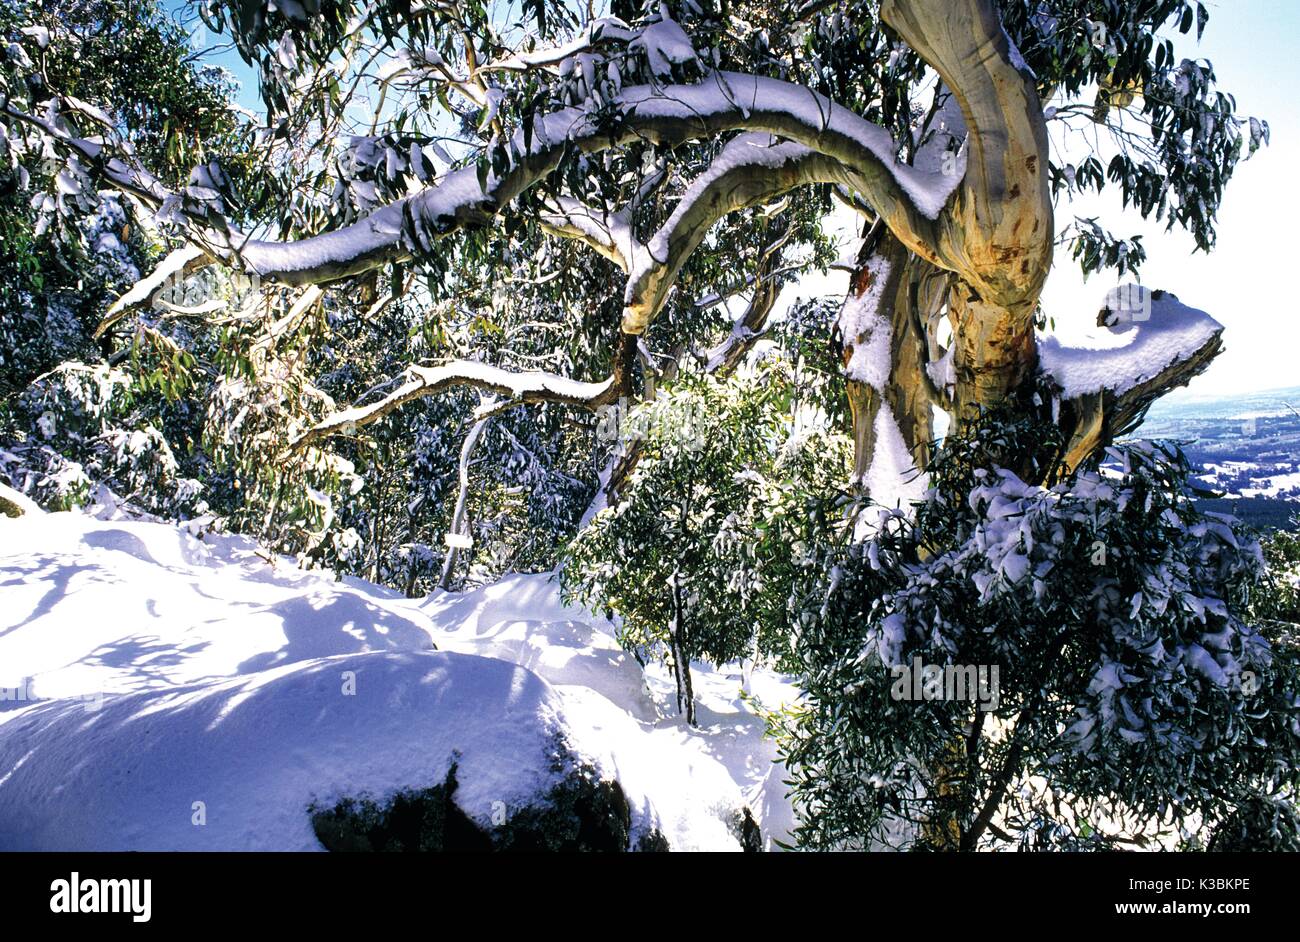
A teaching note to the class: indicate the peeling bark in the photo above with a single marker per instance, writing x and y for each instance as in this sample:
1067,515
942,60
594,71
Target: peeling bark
1093,421
995,351
459,523
906,302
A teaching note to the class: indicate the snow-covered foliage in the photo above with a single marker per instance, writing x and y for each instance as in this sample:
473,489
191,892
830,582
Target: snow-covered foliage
1279,598
1134,690
697,555
378,339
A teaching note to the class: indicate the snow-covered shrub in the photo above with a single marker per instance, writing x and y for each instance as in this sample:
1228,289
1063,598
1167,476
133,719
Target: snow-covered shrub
699,552
83,425
1279,598
1131,692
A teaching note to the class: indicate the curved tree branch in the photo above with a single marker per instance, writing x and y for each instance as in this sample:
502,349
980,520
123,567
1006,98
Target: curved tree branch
750,170
609,233
1105,391
518,387
909,199
998,232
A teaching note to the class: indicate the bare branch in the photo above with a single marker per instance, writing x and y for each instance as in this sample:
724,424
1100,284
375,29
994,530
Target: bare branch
609,233
862,155
750,171
531,386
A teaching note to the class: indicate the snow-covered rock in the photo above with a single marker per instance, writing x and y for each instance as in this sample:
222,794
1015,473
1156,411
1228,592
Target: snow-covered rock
239,764
162,690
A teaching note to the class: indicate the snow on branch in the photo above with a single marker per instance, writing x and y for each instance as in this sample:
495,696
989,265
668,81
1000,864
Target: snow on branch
609,233
132,178
1147,343
1142,333
175,266
733,100
519,387
751,170
854,153
606,29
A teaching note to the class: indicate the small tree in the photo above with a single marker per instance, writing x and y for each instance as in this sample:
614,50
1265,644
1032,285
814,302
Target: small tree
697,556
1279,600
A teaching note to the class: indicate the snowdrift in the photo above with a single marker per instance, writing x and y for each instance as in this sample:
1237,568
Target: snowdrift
162,687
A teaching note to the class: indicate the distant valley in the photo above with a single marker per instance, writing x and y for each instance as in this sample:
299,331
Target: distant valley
1246,448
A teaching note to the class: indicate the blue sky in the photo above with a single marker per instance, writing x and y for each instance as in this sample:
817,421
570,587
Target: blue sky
1255,48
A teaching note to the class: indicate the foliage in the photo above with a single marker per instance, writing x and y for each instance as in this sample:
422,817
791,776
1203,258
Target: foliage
1121,618
1132,691
1279,598
699,553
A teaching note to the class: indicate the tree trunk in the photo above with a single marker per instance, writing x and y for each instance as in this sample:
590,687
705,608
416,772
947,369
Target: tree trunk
458,521
998,232
995,351
905,305
681,659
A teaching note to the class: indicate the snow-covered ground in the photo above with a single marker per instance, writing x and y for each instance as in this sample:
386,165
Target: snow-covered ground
162,687
1252,479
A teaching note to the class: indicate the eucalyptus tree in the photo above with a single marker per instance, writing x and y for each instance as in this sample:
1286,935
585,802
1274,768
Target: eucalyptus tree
932,119
577,201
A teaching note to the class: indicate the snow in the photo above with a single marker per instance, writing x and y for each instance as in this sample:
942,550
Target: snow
867,331
892,480
1276,485
38,33
751,149
602,29
664,45
724,99
793,111
1149,337
611,231
943,372
172,267
183,669
258,750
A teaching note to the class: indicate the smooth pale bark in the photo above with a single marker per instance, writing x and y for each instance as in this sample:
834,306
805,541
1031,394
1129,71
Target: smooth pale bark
995,350
736,188
997,232
459,521
423,381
